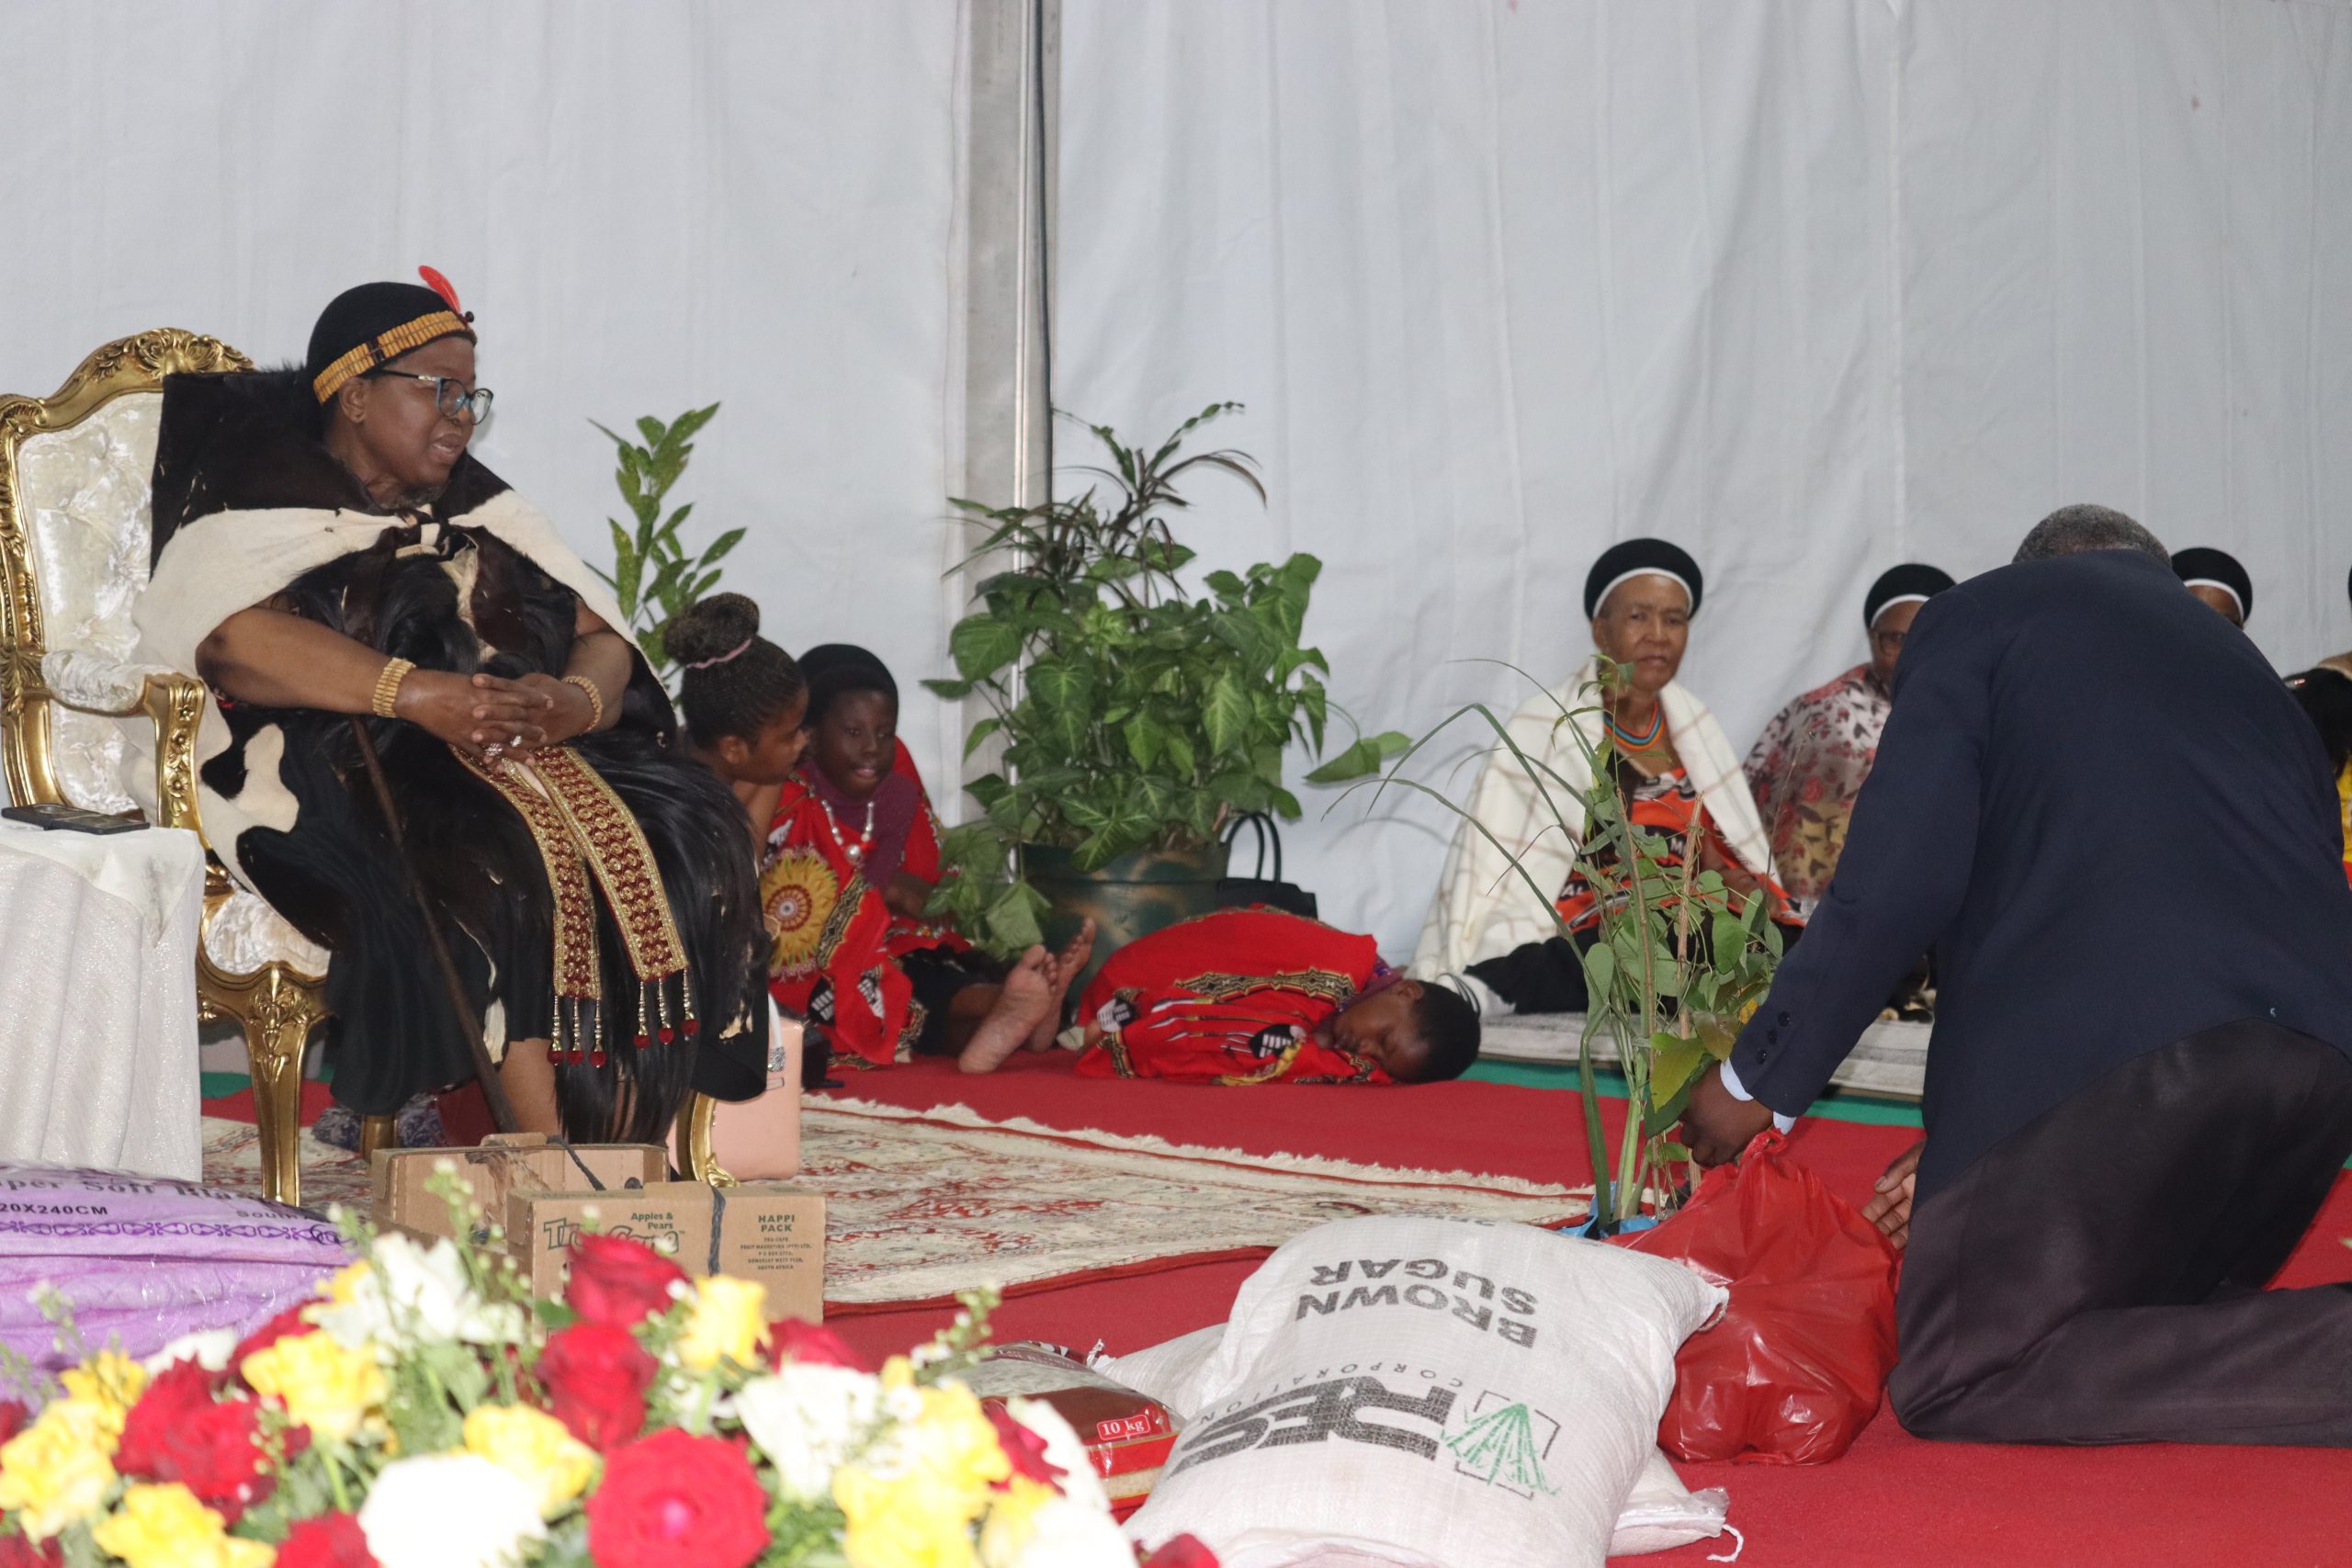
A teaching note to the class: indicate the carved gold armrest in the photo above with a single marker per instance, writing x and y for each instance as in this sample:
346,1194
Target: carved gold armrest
175,704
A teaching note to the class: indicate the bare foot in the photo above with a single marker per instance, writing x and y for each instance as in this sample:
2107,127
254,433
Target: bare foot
1028,998
1067,964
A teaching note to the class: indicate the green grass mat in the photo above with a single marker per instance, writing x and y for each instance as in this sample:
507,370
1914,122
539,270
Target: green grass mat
1838,1105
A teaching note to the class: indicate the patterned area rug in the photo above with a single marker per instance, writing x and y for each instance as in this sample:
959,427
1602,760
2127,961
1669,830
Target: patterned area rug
920,1205
233,1163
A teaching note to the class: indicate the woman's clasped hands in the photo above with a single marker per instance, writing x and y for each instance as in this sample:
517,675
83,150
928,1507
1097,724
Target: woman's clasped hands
491,716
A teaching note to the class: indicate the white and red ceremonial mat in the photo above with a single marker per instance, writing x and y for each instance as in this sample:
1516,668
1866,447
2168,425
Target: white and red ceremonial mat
920,1205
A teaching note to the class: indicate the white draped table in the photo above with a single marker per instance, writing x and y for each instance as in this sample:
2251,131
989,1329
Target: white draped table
97,999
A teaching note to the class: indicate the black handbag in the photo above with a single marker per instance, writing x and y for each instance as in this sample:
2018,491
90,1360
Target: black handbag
1233,892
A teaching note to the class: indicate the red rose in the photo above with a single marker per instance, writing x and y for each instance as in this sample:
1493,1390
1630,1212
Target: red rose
676,1501
284,1324
330,1541
618,1281
1024,1448
596,1376
812,1347
177,1431
13,1418
1182,1551
16,1551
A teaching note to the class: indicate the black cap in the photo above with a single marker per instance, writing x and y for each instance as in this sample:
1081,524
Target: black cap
1633,559
1907,584
363,327
2201,567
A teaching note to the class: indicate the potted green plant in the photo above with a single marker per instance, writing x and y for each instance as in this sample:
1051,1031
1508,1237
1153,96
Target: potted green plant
1677,964
1137,720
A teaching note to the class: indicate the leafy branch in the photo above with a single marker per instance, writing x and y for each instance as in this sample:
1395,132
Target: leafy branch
652,575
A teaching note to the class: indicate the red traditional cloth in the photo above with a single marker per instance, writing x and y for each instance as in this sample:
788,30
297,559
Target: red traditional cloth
1666,806
1232,997
833,944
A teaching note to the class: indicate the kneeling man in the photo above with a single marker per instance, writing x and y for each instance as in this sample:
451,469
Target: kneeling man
2131,1118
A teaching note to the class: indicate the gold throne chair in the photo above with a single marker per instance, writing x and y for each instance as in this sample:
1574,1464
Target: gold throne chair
82,725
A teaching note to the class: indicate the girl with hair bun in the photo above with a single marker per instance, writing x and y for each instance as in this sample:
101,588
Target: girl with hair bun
745,704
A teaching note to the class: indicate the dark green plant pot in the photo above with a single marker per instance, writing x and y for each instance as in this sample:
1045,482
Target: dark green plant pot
1134,895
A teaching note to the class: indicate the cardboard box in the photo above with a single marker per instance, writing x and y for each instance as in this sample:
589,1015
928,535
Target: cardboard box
770,1232
399,1176
775,1233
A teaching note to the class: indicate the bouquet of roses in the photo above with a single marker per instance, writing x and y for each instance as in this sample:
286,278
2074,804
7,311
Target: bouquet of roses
425,1412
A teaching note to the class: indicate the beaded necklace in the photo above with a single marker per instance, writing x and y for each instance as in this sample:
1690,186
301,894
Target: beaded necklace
856,852
1640,742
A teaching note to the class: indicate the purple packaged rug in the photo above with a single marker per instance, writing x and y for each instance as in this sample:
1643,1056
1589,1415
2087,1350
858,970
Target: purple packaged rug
144,1259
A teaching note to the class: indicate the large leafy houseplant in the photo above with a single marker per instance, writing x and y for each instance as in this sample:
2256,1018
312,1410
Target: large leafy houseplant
1677,964
1134,715
652,575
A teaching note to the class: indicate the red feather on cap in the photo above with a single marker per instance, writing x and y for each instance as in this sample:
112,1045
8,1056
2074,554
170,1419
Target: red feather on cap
440,285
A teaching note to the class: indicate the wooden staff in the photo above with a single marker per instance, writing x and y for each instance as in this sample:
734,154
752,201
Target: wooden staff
502,1109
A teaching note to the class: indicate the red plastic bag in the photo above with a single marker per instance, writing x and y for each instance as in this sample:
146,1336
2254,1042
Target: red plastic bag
1794,1370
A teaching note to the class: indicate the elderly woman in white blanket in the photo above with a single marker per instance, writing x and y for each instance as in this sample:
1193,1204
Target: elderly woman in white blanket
1674,766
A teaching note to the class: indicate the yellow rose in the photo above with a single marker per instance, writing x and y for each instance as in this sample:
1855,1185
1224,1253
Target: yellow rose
954,1438
729,1320
535,1447
1012,1519
110,1381
58,1470
342,1288
167,1526
322,1385
901,1523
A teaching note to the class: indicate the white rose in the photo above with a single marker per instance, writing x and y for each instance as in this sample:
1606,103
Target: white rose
449,1511
414,1295
806,1418
207,1347
1069,1534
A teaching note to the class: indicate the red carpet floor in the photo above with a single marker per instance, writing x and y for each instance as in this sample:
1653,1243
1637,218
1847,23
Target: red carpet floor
1893,1501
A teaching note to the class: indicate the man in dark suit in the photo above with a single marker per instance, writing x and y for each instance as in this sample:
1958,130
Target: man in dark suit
2102,808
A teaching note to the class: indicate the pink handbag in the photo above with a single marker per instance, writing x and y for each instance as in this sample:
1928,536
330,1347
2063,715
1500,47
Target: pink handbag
752,1140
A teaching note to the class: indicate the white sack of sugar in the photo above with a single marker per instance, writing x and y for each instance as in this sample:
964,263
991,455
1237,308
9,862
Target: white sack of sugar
1441,1394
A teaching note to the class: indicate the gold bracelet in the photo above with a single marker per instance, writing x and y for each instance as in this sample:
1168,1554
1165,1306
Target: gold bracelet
595,698
388,686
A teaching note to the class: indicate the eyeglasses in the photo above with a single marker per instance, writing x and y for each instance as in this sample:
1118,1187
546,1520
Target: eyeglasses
451,396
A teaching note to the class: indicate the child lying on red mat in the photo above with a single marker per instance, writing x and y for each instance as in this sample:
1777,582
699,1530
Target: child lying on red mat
1255,996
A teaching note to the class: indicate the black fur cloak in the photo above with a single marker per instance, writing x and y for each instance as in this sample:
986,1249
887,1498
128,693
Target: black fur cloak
249,507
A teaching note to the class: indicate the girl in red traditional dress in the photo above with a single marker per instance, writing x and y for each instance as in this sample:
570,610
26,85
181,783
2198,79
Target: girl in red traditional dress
1255,996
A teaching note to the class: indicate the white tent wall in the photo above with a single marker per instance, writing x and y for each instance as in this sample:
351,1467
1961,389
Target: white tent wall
649,208
1811,287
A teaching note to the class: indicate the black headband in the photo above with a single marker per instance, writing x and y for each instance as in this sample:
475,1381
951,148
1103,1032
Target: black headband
1637,558
1907,584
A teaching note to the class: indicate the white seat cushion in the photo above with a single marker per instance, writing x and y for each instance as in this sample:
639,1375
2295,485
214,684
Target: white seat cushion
248,933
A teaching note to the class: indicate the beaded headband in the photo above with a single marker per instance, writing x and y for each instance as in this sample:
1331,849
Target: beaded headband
386,346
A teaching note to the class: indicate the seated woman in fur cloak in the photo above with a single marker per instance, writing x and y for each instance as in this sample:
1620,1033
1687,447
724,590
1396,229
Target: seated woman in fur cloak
342,573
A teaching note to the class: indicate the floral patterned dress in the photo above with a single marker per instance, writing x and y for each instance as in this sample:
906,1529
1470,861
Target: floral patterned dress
835,948
1804,772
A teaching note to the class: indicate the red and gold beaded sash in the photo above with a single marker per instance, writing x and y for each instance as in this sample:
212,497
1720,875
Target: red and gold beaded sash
584,832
